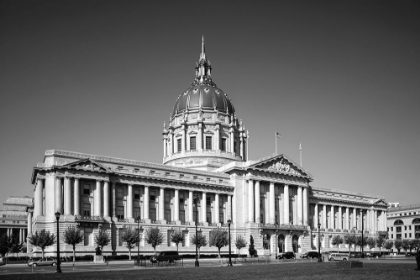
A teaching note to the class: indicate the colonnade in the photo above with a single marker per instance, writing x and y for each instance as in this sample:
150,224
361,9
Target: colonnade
284,200
347,218
105,200
23,232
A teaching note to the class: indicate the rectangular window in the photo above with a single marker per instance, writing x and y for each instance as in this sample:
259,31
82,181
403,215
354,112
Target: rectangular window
168,215
223,148
398,236
193,143
208,143
153,214
405,235
398,229
86,191
120,212
136,212
221,218
88,236
179,145
182,215
409,227
120,193
209,217
208,201
137,195
86,209
152,196
409,235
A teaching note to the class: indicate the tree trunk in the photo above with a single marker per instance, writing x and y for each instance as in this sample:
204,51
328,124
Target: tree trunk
74,253
42,253
177,247
129,256
219,252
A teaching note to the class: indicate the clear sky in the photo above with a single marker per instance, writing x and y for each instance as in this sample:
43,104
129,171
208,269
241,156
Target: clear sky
101,77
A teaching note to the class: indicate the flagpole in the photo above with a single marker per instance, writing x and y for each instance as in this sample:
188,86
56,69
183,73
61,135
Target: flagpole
300,150
275,137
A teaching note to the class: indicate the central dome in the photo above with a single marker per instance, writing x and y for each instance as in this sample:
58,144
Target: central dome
203,96
204,132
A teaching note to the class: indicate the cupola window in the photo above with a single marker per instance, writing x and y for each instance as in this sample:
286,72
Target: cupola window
179,145
223,148
208,143
193,143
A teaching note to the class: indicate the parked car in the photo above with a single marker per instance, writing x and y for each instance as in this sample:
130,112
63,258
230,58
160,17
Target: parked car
286,255
2,261
42,262
338,257
310,255
166,256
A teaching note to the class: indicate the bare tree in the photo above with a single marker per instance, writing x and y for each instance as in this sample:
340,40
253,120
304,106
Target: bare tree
240,243
131,238
154,237
42,240
73,236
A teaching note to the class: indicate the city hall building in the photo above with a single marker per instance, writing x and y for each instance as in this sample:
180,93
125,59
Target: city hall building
205,155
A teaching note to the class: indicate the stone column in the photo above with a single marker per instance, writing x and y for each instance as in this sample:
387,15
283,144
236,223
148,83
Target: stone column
316,216
29,223
272,204
146,203
162,204
286,204
129,201
38,197
114,200
97,199
347,226
200,137
324,216
281,209
299,205
305,206
340,218
165,147
67,196
332,217
232,141
76,198
58,195
217,138
176,205
184,138
250,201
216,208
190,206
257,202
203,208
354,218
106,199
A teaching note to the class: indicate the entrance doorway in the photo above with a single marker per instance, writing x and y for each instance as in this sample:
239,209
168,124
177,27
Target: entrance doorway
295,243
281,243
266,242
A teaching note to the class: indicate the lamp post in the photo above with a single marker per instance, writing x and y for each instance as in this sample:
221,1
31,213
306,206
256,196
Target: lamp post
57,217
354,229
197,264
319,243
138,236
230,260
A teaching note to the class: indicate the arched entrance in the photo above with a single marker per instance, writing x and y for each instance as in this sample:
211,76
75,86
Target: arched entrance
281,243
295,243
266,242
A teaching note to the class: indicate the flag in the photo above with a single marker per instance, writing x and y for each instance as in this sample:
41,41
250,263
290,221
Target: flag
278,135
300,146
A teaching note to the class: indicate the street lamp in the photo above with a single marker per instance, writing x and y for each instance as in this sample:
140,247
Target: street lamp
319,243
57,217
138,236
197,264
354,229
230,260
362,236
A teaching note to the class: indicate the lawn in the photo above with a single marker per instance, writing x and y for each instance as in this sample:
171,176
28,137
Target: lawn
274,271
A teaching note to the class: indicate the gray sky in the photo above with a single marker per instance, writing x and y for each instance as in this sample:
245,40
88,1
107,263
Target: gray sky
101,77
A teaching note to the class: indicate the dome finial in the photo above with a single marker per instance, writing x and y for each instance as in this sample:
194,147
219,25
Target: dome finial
203,48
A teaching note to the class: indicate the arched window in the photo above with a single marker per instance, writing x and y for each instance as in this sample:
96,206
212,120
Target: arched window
398,222
416,221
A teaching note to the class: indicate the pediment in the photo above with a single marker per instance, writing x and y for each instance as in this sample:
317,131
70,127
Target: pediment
281,164
380,202
87,164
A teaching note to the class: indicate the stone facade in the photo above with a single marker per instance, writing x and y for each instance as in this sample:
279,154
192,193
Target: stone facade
403,222
205,155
